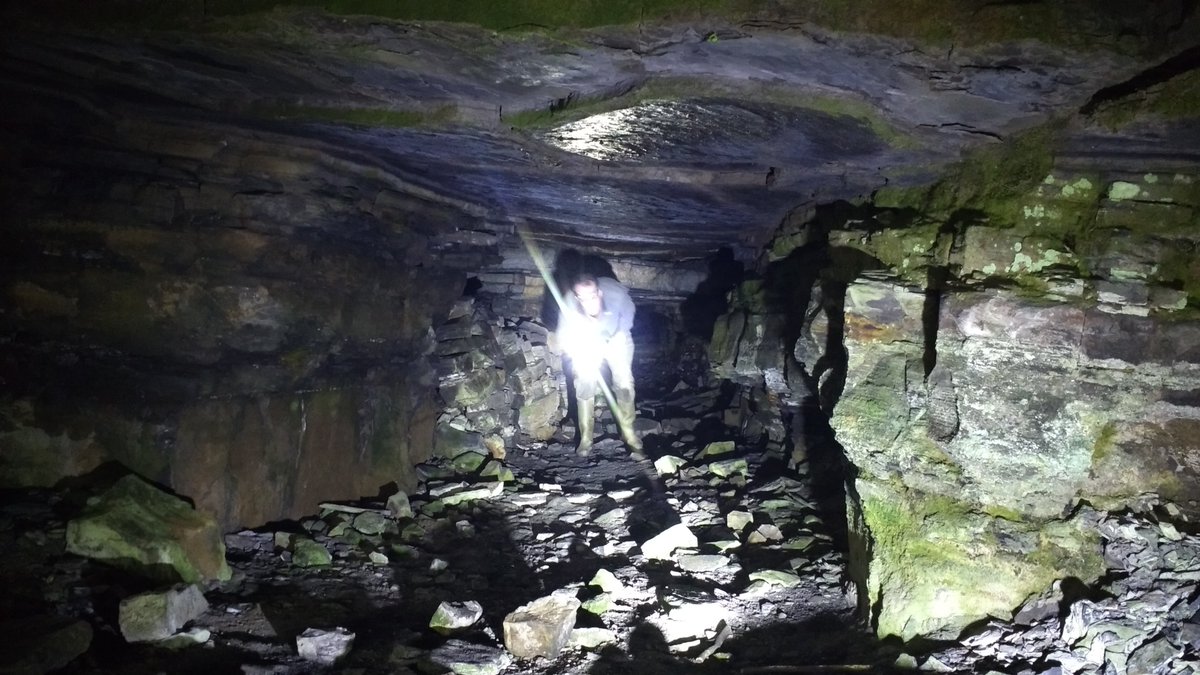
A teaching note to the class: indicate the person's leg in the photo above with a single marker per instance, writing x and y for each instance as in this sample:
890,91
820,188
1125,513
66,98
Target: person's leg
620,363
585,411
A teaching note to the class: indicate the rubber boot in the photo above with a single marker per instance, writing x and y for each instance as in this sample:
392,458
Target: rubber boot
586,412
626,414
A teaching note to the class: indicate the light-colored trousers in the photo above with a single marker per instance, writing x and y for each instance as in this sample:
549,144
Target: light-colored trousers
618,354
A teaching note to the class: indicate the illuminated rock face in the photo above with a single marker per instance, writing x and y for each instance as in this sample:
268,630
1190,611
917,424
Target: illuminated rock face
965,474
994,367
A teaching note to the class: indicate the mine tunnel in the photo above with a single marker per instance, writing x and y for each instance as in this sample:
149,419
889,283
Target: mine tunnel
287,383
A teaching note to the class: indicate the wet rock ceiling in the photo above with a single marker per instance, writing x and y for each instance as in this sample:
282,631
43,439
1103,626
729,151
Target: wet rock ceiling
657,142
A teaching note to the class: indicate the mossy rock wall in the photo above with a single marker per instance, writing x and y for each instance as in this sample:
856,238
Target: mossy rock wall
936,566
1024,344
1031,408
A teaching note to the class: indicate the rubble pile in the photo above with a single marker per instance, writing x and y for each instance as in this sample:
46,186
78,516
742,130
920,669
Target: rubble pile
535,560
500,380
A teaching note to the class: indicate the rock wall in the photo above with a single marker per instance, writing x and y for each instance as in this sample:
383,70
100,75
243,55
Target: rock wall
240,315
259,458
1056,365
993,351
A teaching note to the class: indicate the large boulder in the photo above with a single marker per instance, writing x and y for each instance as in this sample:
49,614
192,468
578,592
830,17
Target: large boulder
972,442
931,565
138,527
542,627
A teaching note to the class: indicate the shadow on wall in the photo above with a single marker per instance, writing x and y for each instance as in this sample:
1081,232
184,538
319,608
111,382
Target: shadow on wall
710,300
808,288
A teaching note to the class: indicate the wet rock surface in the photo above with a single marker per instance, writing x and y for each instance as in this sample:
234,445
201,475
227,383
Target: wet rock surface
774,115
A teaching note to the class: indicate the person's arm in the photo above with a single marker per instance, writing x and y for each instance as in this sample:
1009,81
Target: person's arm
625,315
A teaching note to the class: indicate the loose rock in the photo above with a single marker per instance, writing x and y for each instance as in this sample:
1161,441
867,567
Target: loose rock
591,638
663,544
309,553
326,647
452,616
370,522
136,526
607,581
399,506
738,520
668,464
542,627
702,563
466,658
156,616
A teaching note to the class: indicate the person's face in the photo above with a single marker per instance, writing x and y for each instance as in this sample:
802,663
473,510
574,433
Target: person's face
589,297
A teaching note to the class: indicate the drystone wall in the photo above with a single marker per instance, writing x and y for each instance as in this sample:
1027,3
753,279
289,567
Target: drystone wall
501,381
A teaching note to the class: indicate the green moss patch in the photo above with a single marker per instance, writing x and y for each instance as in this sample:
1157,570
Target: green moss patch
1177,98
532,13
908,250
992,181
1105,442
138,527
512,15
368,117
938,565
936,22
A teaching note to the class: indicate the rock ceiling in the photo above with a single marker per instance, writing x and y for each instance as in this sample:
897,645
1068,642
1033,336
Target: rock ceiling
664,142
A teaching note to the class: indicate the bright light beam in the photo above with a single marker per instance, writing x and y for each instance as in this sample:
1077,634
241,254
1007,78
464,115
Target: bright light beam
540,262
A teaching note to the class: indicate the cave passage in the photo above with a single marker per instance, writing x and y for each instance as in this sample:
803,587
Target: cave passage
917,364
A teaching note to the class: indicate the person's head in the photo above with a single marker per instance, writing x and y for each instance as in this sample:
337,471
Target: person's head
589,295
